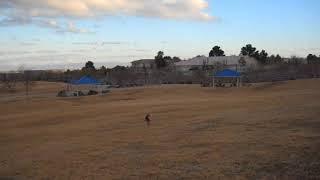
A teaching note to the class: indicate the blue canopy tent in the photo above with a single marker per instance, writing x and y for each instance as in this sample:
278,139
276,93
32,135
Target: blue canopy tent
84,83
227,73
86,80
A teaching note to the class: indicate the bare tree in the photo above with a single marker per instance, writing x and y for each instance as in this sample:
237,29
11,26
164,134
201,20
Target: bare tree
242,62
9,82
27,79
145,72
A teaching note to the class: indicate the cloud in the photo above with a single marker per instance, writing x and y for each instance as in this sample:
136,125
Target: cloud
7,53
27,43
71,28
46,51
64,61
11,21
46,12
45,23
176,9
141,50
102,43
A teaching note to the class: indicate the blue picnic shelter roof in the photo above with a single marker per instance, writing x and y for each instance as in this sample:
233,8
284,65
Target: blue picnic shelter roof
227,73
86,80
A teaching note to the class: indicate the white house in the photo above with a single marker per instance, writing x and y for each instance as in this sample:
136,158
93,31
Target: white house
147,63
238,63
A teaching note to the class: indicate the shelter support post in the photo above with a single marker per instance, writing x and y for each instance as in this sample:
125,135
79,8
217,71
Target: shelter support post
238,82
213,82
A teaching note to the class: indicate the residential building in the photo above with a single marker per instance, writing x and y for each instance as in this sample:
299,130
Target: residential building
239,63
143,63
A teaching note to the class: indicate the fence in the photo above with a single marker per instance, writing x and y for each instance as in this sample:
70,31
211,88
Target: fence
282,73
130,77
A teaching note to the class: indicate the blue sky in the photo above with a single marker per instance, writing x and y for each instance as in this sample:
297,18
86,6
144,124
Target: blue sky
119,33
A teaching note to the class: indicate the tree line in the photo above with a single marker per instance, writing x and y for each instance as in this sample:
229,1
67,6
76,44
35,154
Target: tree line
263,57
161,62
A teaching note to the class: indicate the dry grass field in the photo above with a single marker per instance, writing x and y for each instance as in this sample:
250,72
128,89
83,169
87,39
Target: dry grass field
266,131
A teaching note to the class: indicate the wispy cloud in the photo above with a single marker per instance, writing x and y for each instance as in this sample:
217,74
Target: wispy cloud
46,51
71,28
102,43
27,43
6,53
12,21
45,23
64,61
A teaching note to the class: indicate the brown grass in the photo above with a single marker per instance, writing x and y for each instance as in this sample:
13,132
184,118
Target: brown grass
266,131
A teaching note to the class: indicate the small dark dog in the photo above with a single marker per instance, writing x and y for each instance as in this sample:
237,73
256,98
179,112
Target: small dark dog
147,119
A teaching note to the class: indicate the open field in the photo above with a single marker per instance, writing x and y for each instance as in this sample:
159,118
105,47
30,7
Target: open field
267,131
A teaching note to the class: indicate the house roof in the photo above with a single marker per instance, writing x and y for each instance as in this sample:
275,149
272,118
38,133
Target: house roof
143,61
228,60
227,73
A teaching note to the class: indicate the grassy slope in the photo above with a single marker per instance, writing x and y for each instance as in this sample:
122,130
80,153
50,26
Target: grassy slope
265,131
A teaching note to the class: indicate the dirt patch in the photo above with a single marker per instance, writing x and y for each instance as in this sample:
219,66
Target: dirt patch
269,85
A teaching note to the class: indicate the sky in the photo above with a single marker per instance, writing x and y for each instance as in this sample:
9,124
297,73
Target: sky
64,34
